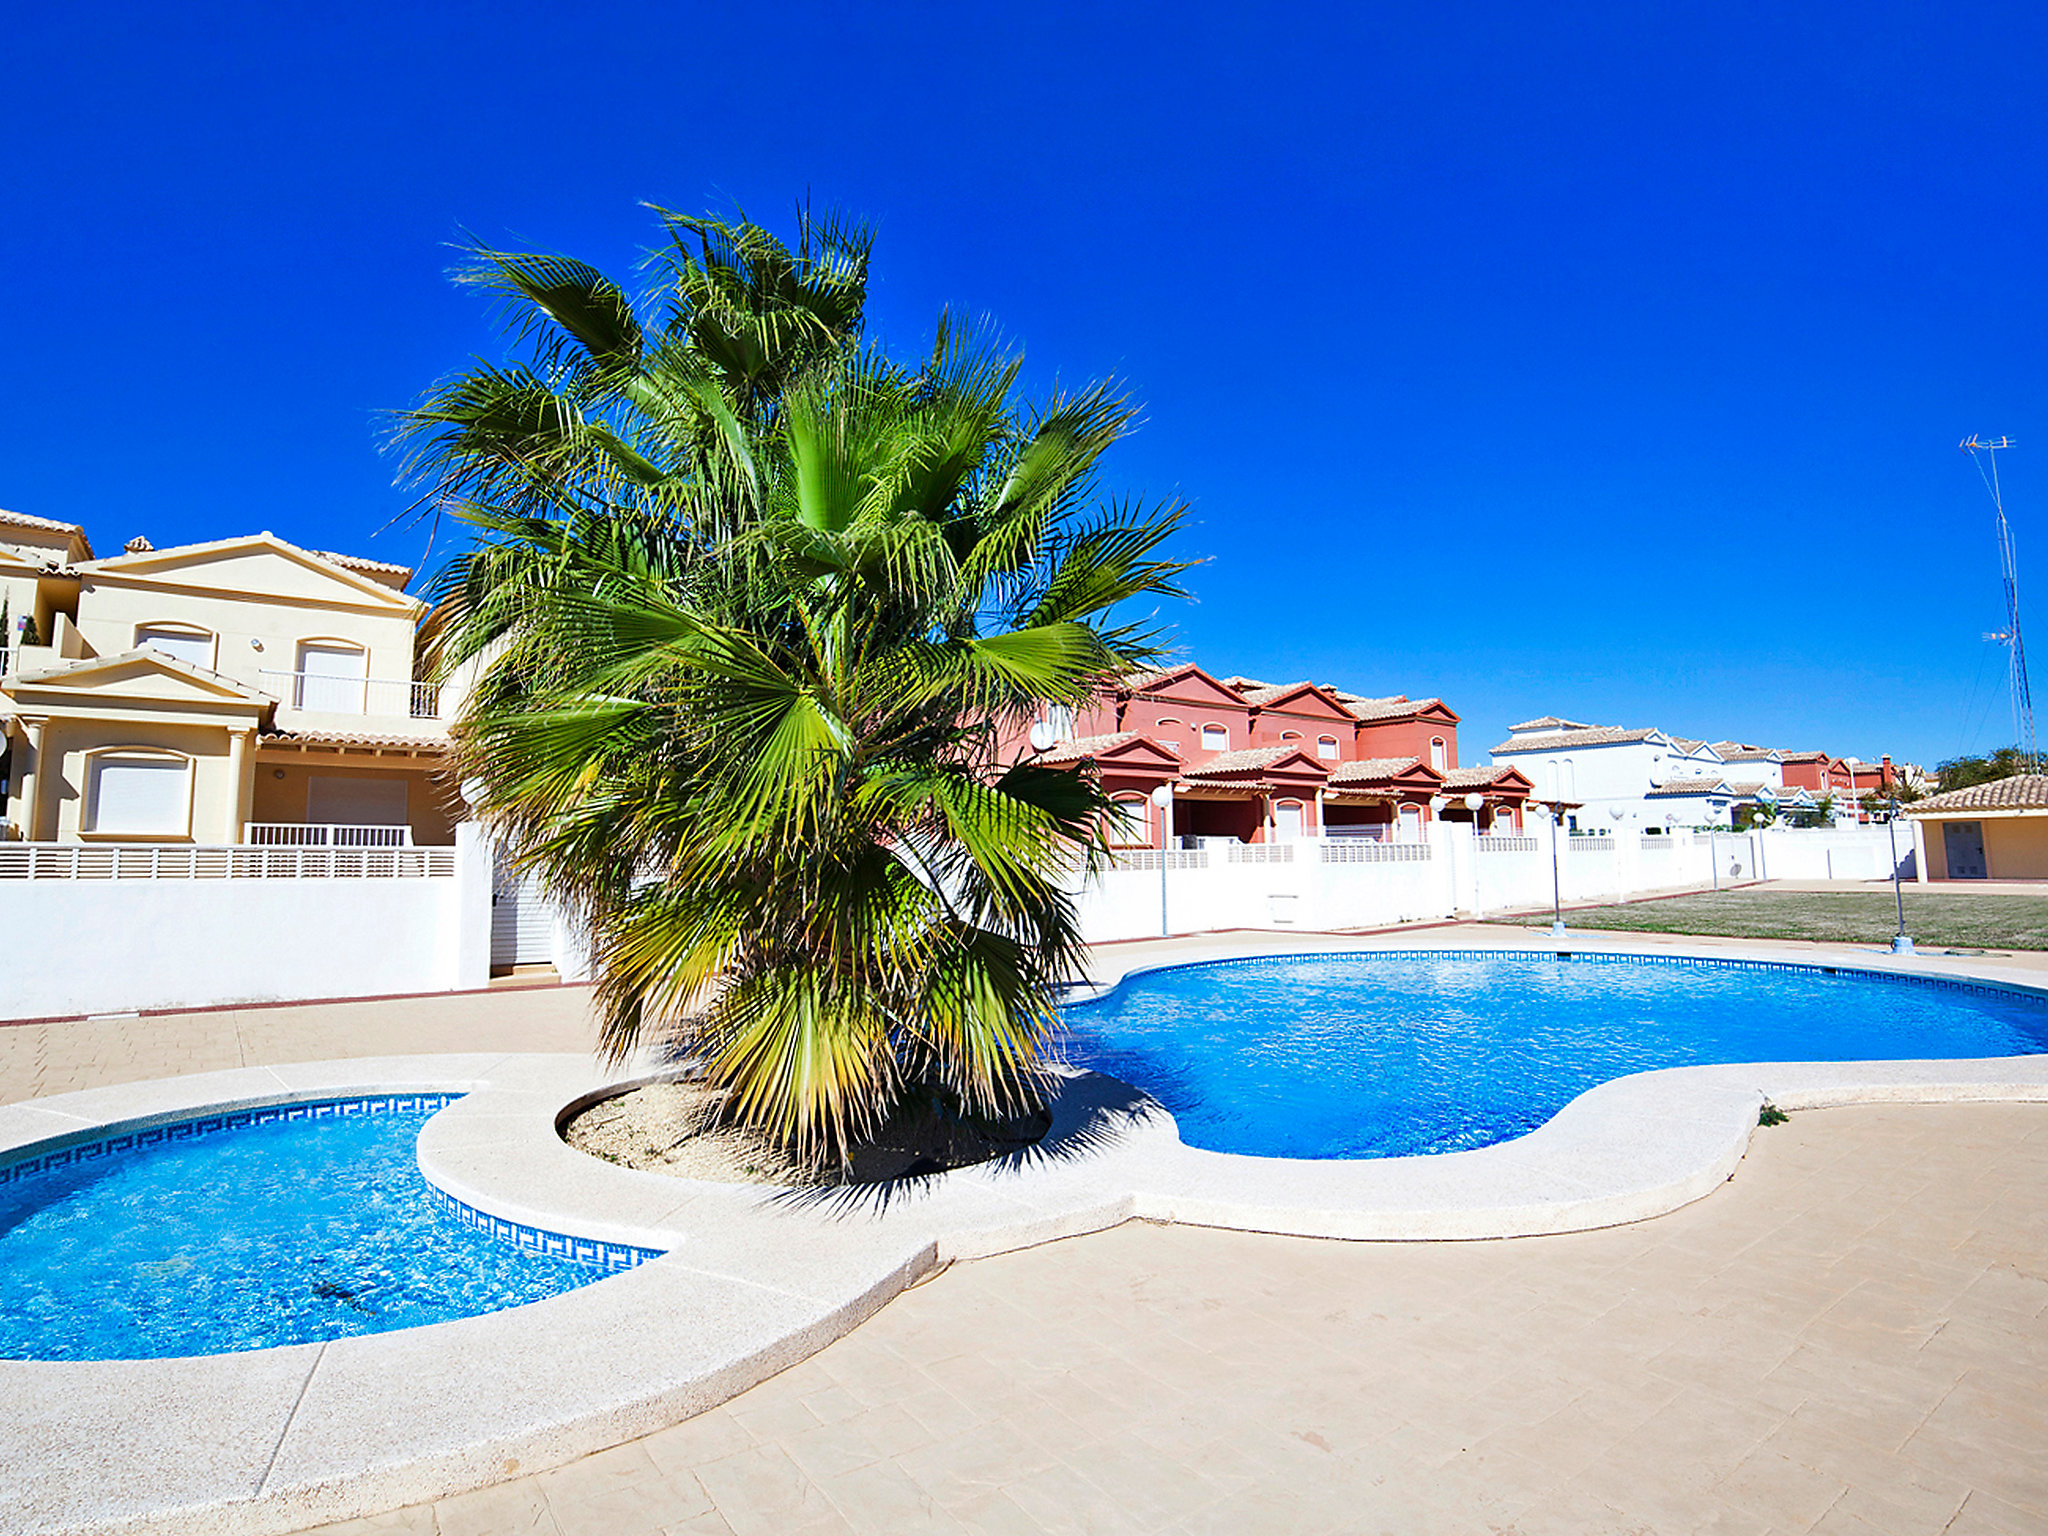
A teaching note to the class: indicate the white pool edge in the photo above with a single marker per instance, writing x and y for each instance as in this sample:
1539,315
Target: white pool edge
756,1280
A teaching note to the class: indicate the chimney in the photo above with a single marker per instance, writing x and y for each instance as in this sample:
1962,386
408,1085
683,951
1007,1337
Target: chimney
137,546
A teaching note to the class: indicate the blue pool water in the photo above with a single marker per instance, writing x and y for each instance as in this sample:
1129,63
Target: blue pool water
227,1235
1392,1054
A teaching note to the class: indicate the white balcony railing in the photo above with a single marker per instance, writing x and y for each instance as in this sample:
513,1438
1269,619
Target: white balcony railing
147,861
319,693
317,834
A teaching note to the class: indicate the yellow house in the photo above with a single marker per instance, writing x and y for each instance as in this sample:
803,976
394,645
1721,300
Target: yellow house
243,690
1995,831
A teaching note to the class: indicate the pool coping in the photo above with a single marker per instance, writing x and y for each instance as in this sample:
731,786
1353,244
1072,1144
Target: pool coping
754,1279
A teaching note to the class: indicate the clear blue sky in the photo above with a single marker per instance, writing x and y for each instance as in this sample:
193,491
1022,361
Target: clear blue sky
1603,360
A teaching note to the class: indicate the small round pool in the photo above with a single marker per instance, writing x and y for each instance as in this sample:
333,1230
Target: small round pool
288,1224
1393,1053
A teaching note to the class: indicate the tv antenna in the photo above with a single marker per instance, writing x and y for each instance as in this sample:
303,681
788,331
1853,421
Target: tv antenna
1984,453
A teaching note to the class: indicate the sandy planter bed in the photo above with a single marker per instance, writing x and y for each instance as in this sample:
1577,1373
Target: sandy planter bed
680,1129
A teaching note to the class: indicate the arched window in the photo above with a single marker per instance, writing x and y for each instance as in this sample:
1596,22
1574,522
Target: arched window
187,642
1326,748
1287,820
1169,732
1130,822
1215,738
1290,735
138,792
332,675
1411,823
1567,780
1437,753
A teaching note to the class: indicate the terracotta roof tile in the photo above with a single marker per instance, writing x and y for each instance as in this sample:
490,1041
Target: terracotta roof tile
1387,709
1551,723
358,563
1591,736
1085,748
2021,792
1245,760
1371,770
1476,778
1674,787
23,520
351,739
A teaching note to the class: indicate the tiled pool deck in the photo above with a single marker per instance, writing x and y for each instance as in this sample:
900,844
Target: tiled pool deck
1146,1378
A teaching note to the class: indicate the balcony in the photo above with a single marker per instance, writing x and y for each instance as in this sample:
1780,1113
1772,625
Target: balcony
296,834
324,694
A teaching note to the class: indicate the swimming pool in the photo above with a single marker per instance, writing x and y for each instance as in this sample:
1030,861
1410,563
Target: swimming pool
1394,1053
289,1224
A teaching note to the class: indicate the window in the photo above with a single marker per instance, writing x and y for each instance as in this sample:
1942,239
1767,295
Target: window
1411,823
1290,735
333,676
1129,824
1326,748
187,642
140,793
1215,738
1437,753
1567,780
1287,820
336,801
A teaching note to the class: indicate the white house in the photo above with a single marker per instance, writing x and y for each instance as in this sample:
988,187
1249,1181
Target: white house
1618,776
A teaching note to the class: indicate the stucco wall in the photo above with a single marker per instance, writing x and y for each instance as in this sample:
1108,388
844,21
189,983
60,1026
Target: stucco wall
2017,849
62,779
253,634
280,794
106,946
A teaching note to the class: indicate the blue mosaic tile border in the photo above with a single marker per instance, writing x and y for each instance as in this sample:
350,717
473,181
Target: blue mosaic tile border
1577,956
610,1257
213,1125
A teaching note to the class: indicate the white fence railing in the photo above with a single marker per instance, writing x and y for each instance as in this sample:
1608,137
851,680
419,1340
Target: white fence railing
1600,844
1655,840
1364,851
355,695
1149,858
316,834
1504,842
144,861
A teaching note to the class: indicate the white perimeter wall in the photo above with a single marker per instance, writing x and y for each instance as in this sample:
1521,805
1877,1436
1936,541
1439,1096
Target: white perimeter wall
1292,886
108,946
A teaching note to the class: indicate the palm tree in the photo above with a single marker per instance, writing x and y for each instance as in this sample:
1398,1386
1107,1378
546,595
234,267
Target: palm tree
751,621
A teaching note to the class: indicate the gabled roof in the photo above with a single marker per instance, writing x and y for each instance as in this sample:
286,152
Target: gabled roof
1688,746
1253,760
1374,710
1676,787
160,564
101,672
368,567
1381,770
1744,752
1280,696
1504,775
47,524
1551,723
1590,736
1188,677
1121,744
1753,789
1803,757
2021,792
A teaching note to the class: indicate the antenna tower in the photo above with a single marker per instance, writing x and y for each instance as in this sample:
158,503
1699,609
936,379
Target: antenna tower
1983,453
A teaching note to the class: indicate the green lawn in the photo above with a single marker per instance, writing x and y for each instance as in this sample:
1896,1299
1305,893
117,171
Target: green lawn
1948,921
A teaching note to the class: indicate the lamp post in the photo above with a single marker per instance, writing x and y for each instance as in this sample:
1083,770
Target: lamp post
1556,814
1901,944
1162,799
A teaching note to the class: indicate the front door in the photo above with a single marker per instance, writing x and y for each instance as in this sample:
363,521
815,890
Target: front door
1287,820
1964,843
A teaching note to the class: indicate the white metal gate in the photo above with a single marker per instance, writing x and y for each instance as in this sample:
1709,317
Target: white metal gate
522,924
